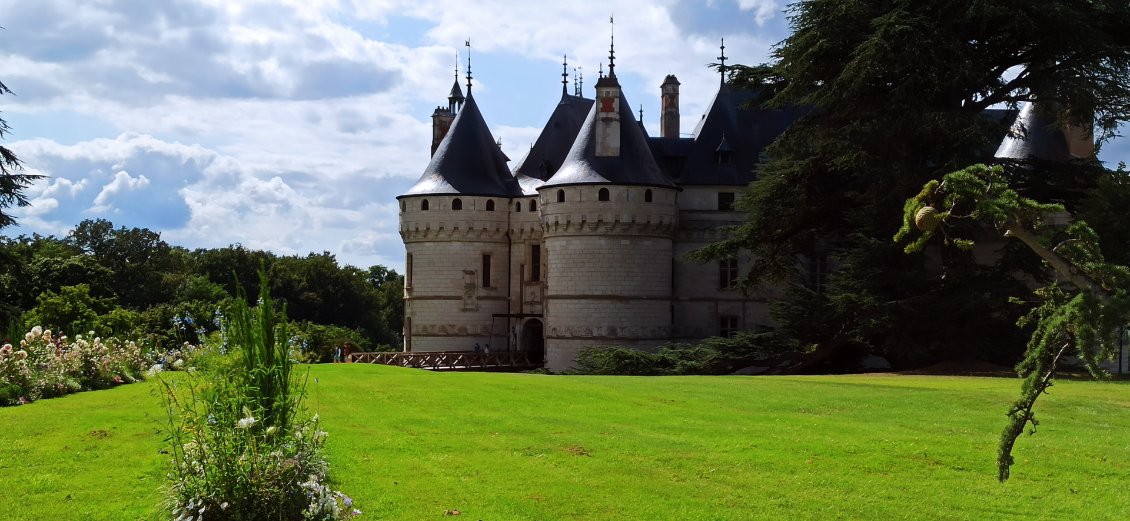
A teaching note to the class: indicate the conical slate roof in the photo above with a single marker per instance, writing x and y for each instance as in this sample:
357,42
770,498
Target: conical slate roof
468,161
552,146
1034,135
634,166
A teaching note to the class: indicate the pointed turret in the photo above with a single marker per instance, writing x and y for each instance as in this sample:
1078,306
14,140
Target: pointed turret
467,161
1036,135
548,153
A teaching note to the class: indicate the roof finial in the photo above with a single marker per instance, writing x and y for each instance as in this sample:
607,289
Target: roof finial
641,113
581,82
612,50
576,88
600,70
468,44
565,74
456,65
722,62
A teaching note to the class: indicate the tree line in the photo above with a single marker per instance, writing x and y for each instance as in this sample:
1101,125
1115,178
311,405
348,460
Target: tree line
128,282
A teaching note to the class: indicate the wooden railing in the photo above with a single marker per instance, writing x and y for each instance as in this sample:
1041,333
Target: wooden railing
451,360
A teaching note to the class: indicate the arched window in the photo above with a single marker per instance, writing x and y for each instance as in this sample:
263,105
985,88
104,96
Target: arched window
456,204
602,195
424,205
517,206
490,205
647,196
561,196
533,205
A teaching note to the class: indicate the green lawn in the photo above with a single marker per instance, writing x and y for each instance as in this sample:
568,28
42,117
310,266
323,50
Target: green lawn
411,445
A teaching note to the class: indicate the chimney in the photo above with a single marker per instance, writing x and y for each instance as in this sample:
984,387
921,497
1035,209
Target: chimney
608,117
669,119
441,123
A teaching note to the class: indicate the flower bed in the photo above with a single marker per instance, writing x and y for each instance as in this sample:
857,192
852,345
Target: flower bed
46,365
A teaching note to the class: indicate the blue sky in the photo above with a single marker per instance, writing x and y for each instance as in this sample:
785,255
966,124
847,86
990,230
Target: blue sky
291,125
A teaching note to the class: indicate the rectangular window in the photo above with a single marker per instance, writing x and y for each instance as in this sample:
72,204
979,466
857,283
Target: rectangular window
408,279
727,325
727,273
726,201
535,262
486,270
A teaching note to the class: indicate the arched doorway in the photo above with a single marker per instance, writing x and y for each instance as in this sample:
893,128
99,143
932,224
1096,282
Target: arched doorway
533,340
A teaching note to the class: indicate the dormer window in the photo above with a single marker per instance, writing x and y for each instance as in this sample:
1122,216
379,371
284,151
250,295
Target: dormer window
602,195
456,204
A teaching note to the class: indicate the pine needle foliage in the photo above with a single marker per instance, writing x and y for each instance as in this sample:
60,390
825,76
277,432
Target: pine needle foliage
1079,312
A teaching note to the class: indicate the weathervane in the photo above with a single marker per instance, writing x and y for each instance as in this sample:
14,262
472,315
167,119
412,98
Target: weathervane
612,50
468,44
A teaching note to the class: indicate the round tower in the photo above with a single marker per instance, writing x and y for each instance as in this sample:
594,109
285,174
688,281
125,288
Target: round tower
454,223
608,218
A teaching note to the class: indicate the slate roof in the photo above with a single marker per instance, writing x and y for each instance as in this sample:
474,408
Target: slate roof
468,161
552,146
1034,135
745,132
634,166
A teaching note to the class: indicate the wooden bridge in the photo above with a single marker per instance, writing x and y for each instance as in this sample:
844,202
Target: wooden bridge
451,360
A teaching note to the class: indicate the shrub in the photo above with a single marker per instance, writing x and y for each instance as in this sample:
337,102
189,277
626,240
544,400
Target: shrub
241,446
716,355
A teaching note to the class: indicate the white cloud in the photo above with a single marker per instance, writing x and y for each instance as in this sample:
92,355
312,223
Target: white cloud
122,182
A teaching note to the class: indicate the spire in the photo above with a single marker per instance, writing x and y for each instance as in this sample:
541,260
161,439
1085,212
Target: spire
455,97
612,50
565,75
722,63
468,44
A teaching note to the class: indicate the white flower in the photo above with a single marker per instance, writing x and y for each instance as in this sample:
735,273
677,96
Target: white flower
272,429
179,363
245,423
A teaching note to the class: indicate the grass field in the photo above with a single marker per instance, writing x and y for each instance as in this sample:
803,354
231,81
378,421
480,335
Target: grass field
412,445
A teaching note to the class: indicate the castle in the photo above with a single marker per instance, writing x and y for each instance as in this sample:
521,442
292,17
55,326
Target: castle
583,242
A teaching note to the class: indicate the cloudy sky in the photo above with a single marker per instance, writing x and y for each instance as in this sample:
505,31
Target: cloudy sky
291,125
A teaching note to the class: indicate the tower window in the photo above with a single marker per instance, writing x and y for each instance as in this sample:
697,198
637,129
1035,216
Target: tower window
726,201
456,204
424,205
533,205
408,278
647,196
602,195
727,273
535,262
517,206
486,270
490,205
561,196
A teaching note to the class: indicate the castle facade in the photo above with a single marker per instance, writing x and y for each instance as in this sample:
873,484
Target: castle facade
583,242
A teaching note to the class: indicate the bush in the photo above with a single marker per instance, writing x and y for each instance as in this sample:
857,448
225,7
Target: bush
46,365
716,355
241,445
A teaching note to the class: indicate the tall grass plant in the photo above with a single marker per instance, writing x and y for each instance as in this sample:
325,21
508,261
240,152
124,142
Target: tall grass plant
241,446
